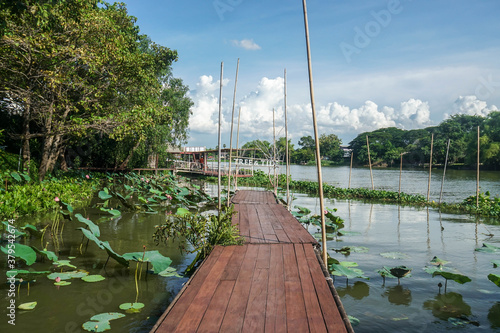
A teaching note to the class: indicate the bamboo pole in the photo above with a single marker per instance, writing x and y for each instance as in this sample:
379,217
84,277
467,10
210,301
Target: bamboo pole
219,185
430,169
275,181
444,171
287,156
231,138
370,161
350,169
477,174
400,174
237,147
316,137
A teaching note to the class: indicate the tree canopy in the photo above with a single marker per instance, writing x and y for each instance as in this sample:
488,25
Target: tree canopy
79,71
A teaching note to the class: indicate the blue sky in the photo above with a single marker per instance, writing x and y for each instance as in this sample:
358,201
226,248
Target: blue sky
380,63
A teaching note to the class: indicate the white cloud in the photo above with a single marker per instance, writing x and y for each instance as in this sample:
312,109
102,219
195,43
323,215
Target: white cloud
471,106
345,121
247,44
205,111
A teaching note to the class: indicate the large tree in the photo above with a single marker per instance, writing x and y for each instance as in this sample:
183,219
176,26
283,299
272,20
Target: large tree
72,67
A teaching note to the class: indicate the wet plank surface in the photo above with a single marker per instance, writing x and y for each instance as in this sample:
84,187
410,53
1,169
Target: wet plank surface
256,288
273,283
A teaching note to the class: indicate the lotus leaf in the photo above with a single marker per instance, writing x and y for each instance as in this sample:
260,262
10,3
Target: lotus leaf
399,271
111,211
22,251
62,276
495,278
129,306
452,276
394,255
113,254
92,237
92,226
104,195
17,233
61,263
23,272
488,248
49,254
62,283
437,261
349,273
170,271
181,211
495,263
27,306
93,278
384,272
353,320
159,262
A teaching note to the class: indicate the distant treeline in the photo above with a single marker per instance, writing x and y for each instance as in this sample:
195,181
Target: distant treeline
388,144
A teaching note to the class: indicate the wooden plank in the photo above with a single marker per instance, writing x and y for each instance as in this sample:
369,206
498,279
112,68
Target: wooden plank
295,306
233,267
256,235
235,312
255,314
329,309
244,226
215,312
282,236
194,313
295,231
313,310
173,316
276,306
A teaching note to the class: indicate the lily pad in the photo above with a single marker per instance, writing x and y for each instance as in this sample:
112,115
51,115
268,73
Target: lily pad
181,212
62,263
104,195
452,276
132,307
27,306
62,276
100,322
93,278
394,255
349,249
62,283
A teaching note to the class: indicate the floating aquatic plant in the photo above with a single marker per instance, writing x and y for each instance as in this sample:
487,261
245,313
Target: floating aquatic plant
447,274
495,278
27,306
397,272
488,248
93,278
24,252
132,307
346,269
100,322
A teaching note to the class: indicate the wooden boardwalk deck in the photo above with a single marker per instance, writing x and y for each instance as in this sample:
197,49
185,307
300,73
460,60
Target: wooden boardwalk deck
273,283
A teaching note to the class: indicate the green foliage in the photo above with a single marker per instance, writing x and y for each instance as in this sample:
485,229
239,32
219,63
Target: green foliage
200,231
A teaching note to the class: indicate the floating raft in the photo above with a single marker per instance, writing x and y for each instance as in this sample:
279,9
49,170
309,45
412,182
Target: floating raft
273,283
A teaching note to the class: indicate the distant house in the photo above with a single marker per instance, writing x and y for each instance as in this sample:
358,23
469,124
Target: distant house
346,150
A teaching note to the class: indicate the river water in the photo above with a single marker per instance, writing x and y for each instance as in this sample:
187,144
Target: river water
458,184
416,305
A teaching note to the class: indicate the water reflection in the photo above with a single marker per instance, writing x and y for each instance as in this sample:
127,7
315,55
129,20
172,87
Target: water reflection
494,315
449,305
358,290
398,295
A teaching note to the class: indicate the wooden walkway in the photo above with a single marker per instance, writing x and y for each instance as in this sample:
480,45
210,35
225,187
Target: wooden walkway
273,283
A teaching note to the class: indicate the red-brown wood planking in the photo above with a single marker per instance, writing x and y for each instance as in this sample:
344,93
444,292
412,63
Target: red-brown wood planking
273,283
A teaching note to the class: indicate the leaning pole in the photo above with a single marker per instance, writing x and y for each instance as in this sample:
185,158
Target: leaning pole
316,138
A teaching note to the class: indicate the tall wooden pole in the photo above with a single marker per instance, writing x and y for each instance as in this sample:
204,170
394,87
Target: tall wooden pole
400,174
444,171
275,180
287,156
316,137
231,138
219,185
350,169
477,174
430,169
237,147
370,161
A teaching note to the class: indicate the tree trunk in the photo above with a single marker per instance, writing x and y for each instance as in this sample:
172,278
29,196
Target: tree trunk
26,155
50,153
127,159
